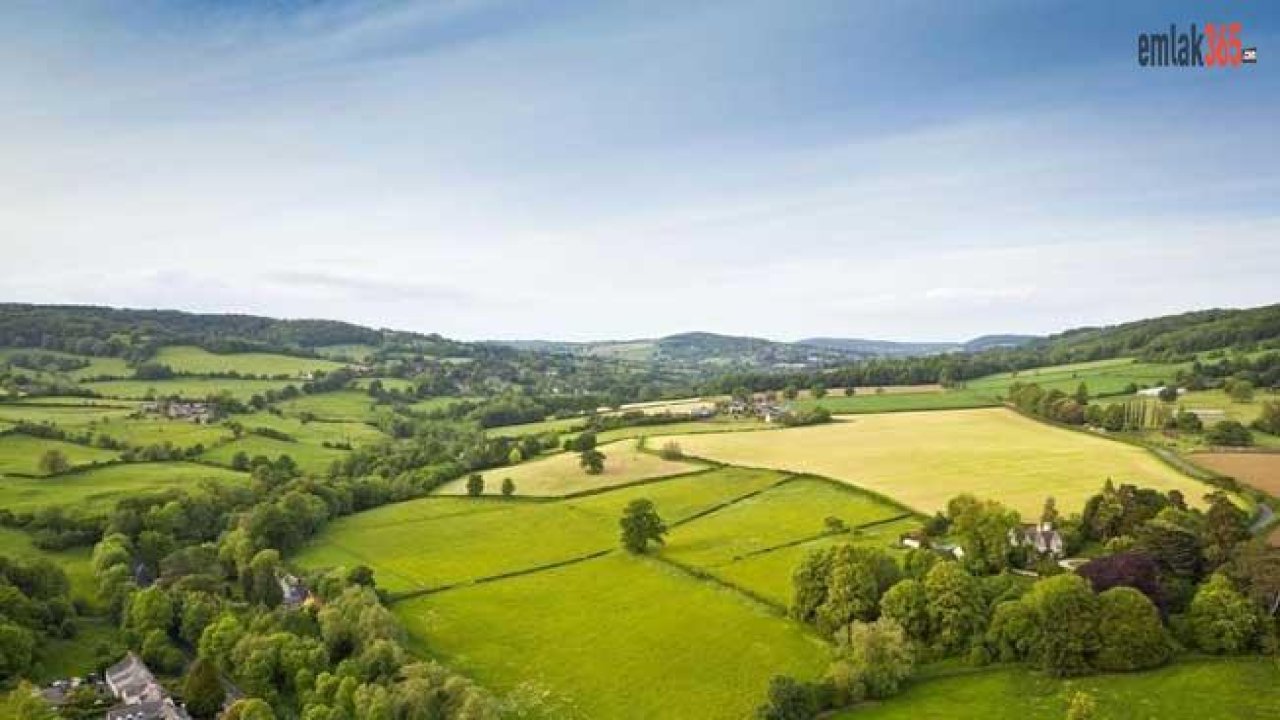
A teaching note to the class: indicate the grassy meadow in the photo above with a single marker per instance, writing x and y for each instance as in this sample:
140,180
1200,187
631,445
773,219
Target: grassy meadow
156,430
561,474
1102,377
1206,689
97,489
899,402
343,406
444,540
310,458
615,637
198,361
191,388
924,459
316,433
66,416
21,454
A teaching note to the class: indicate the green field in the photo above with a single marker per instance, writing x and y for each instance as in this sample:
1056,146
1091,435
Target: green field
924,459
21,454
75,562
343,405
97,489
198,361
354,351
901,402
1102,377
445,540
193,388
1209,689
155,431
388,383
542,427
310,458
736,542
68,417
561,474
316,433
97,367
768,574
438,403
615,637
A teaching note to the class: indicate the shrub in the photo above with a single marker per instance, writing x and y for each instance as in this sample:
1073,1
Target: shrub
671,451
1230,433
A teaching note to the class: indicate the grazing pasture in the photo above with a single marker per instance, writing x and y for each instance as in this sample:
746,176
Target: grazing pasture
444,540
768,574
156,430
791,511
561,474
1204,689
542,427
587,637
98,489
66,416
1102,377
191,388
343,405
900,401
1257,470
74,562
924,459
198,361
310,458
388,383
351,351
443,402
316,433
21,454
97,366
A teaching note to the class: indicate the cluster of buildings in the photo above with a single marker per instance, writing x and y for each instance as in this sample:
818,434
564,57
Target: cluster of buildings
141,696
1040,538
763,409
197,412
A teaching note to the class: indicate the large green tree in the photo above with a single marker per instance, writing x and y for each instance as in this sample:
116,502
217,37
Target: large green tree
641,524
202,689
1220,620
957,612
1131,636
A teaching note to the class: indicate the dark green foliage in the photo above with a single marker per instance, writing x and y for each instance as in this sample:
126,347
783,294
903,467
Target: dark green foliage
788,699
1229,433
475,485
508,487
1221,620
202,689
1131,636
592,461
982,529
837,585
641,524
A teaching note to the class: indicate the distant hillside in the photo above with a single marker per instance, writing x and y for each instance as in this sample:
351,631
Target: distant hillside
702,350
883,348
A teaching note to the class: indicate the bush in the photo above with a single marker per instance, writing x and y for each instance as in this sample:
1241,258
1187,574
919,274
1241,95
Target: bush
1221,621
1230,433
1131,634
671,451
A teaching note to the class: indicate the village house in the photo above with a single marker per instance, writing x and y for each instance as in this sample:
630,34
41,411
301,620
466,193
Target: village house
1042,538
197,412
293,591
140,695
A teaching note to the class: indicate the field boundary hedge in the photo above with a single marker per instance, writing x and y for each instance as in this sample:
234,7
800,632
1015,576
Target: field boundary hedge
423,592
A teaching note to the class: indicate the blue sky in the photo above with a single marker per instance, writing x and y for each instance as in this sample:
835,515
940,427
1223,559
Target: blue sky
574,170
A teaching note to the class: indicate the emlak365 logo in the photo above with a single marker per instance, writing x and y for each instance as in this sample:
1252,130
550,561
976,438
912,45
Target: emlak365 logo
1218,46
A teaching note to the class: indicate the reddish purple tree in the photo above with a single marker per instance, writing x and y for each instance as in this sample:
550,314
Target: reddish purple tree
1137,570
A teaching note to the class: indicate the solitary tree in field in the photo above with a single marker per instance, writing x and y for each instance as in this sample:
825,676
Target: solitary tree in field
640,523
671,451
508,487
54,462
818,390
475,485
592,461
1241,391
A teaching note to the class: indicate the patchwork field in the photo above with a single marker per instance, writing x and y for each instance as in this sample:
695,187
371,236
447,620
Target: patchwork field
615,637
198,361
98,488
316,433
343,405
924,459
1103,377
310,458
900,402
446,540
193,388
1209,689
756,543
154,430
21,454
1258,470
65,416
562,475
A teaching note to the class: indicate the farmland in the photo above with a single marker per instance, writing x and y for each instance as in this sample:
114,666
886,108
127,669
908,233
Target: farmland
1257,470
65,416
344,405
97,489
1102,377
924,459
153,430
604,628
900,402
21,454
446,540
561,475
196,361
192,388
316,433
310,458
1211,689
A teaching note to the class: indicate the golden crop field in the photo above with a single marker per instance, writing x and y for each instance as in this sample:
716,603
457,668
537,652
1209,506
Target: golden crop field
924,459
561,475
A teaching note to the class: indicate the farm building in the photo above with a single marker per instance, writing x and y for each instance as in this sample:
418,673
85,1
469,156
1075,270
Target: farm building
1155,391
